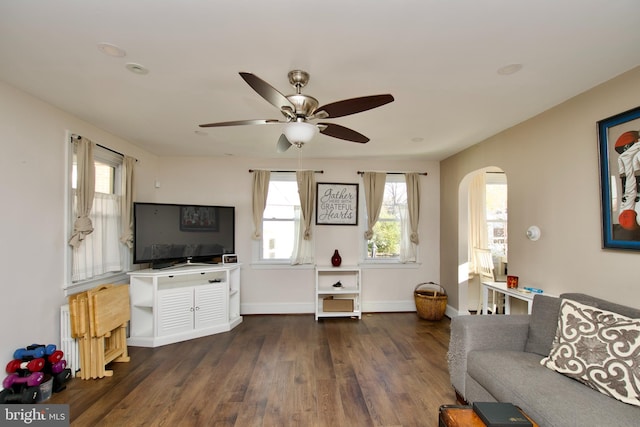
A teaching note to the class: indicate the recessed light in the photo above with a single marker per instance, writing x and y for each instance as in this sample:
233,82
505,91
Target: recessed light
111,50
509,69
137,68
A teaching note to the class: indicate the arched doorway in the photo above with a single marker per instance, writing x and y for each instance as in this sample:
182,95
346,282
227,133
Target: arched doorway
495,222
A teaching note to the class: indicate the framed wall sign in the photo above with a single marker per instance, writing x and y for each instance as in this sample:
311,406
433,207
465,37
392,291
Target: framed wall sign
619,149
336,204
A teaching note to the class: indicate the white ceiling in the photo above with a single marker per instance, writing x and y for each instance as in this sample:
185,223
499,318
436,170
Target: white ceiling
438,58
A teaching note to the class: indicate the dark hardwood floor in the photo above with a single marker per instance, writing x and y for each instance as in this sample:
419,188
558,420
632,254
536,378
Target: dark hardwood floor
387,369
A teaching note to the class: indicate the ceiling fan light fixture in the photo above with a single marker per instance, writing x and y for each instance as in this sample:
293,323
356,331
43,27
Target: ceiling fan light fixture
300,132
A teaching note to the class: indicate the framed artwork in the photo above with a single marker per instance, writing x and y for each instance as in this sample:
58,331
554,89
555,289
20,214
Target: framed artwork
336,204
198,218
619,149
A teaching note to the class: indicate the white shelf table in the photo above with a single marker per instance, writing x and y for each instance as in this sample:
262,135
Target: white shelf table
350,278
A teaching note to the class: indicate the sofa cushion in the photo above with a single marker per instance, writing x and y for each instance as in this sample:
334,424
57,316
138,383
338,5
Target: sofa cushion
599,348
634,313
547,397
543,324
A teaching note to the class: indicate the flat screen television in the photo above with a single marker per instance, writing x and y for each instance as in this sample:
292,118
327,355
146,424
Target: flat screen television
170,234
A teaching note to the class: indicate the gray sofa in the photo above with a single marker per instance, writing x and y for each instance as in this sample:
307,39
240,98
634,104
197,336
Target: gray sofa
497,358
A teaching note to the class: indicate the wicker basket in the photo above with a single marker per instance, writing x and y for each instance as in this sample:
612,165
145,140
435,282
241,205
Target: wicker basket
431,301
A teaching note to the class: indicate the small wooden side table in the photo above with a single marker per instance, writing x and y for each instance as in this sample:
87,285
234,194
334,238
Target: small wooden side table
463,416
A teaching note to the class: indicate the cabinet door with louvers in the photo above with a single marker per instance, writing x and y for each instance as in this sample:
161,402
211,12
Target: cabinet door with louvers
175,311
211,305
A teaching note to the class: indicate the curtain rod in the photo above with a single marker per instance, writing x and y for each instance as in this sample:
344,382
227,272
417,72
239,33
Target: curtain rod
75,136
397,173
253,170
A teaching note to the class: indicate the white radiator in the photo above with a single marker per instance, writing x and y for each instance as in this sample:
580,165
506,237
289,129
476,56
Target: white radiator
68,344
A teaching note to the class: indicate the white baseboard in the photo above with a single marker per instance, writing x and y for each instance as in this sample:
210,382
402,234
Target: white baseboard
304,308
368,307
451,312
277,308
388,306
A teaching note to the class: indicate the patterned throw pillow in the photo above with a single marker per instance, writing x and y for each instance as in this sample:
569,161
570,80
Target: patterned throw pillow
598,348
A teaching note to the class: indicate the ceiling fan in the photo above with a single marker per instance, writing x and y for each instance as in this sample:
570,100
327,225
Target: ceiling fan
299,110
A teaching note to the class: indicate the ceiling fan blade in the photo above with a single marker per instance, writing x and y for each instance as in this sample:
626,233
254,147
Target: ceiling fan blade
283,144
241,123
352,106
268,92
341,132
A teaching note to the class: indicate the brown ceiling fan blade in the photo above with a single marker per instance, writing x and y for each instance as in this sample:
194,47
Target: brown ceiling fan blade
267,91
341,132
352,106
241,123
283,144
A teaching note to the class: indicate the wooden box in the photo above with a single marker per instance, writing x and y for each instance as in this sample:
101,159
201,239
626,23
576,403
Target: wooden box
337,304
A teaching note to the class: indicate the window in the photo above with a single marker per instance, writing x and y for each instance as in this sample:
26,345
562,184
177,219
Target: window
496,202
279,218
101,254
387,233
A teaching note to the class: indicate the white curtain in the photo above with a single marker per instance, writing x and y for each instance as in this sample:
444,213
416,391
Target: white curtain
259,201
478,237
408,249
374,183
86,186
303,251
100,252
128,196
409,220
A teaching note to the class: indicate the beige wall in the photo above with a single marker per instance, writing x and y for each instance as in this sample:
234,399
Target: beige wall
551,162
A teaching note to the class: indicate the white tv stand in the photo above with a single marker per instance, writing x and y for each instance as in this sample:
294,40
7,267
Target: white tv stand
182,303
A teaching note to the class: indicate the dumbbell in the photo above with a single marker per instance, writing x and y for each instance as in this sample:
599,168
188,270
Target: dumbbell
55,356
48,349
31,380
57,367
34,365
28,395
59,380
52,355
54,368
23,353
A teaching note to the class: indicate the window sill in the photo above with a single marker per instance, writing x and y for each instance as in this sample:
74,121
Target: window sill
85,285
279,265
373,264
369,264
